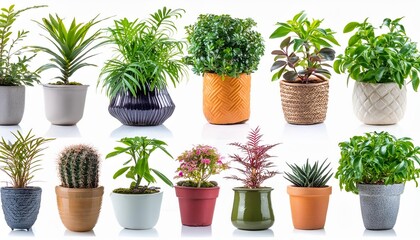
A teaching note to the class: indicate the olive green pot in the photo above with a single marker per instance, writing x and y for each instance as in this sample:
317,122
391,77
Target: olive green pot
252,208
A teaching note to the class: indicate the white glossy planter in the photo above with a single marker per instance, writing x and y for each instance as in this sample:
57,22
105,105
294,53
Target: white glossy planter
64,104
379,103
12,104
137,211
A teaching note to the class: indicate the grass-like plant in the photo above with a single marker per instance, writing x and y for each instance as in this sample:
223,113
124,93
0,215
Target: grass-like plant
255,163
21,159
304,50
377,158
147,56
70,47
137,168
308,175
380,58
14,64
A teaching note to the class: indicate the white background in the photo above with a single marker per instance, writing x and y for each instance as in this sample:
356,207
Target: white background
187,126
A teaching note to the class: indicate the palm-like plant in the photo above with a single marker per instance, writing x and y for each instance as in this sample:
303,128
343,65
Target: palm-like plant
147,55
20,160
72,45
309,175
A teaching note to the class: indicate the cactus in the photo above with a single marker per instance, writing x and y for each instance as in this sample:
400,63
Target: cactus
78,167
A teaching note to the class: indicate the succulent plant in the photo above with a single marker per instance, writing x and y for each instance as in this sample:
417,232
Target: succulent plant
309,175
78,166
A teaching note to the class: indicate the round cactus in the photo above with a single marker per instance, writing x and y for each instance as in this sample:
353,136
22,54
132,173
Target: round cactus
78,166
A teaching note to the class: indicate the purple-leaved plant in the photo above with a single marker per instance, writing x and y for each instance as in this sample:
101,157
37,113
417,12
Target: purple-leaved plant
255,163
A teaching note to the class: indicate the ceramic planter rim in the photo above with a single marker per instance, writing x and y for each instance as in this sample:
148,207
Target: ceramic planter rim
201,188
76,190
260,189
136,194
226,75
64,86
21,189
309,191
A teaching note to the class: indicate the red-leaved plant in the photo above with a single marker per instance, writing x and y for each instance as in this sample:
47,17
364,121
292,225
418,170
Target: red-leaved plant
255,163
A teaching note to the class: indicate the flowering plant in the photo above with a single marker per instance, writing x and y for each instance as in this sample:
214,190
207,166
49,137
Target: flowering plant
198,164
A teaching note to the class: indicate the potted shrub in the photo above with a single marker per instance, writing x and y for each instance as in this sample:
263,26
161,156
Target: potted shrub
380,65
309,194
19,161
70,49
79,197
301,64
147,58
196,194
376,166
225,51
252,202
14,68
138,206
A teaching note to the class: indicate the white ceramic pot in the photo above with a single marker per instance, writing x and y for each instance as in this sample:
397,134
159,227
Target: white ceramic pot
12,104
379,103
64,104
137,211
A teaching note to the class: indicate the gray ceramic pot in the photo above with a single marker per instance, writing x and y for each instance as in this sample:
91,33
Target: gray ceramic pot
12,104
20,206
64,104
380,205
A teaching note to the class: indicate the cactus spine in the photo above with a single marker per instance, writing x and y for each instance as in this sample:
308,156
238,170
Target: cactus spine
78,167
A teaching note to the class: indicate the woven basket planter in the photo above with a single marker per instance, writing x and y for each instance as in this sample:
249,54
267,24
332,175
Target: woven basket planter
226,101
304,104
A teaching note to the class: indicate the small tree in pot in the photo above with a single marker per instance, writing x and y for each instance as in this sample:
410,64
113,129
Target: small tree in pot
79,197
301,62
309,194
380,65
197,195
138,206
376,166
252,203
20,160
14,68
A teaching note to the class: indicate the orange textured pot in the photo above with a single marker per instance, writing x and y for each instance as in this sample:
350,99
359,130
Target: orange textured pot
309,206
79,207
226,101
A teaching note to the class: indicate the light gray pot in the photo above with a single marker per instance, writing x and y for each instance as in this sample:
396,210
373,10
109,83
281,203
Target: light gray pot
380,205
64,104
12,104
379,103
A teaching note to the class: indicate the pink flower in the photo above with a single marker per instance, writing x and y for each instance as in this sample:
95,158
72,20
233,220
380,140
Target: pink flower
205,161
180,174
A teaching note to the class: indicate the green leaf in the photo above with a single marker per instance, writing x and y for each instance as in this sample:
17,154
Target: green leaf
280,32
350,27
120,172
163,177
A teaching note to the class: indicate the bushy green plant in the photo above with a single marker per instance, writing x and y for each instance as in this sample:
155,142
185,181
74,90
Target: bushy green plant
224,45
308,175
377,158
147,56
71,46
20,160
14,64
380,58
137,168
78,166
303,53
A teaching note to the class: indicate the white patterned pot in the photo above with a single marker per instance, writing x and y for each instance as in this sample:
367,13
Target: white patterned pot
379,103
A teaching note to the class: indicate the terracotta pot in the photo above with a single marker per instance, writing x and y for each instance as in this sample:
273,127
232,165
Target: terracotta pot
196,205
226,101
79,207
309,206
252,208
304,104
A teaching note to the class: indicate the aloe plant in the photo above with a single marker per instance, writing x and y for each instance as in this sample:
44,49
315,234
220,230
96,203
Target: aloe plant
308,175
72,44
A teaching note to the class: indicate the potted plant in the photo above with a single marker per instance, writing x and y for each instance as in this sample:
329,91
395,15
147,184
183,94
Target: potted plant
309,194
70,49
225,50
14,68
79,197
147,58
19,161
138,206
376,166
380,65
252,202
196,194
301,64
